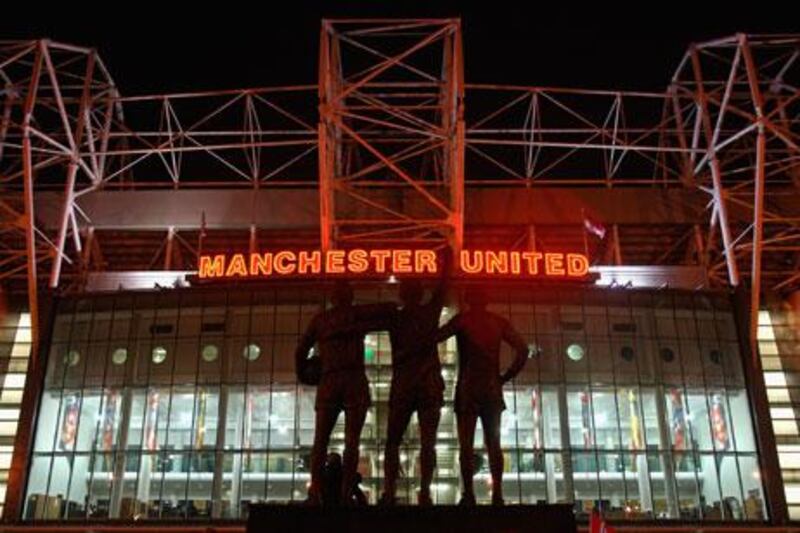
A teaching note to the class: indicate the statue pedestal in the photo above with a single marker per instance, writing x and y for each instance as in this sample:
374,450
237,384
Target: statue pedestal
265,518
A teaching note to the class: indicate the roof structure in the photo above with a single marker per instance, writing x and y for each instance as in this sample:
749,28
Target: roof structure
394,144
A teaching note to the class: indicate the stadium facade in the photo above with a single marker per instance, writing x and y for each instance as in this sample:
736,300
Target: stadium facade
162,255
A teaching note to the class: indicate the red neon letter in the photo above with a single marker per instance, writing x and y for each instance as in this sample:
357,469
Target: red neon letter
212,267
334,262
284,262
471,268
515,262
497,262
261,264
554,264
401,262
380,256
577,265
237,266
425,260
532,261
309,260
357,261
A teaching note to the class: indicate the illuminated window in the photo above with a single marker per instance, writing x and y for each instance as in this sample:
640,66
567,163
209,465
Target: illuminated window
210,353
159,355
119,356
219,436
534,350
575,352
73,358
251,352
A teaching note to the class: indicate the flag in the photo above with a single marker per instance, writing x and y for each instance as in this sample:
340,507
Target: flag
69,426
636,427
597,523
109,420
594,227
151,441
200,430
536,407
718,423
586,419
678,420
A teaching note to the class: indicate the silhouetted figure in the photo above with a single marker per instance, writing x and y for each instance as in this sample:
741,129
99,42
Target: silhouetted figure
359,498
332,481
479,391
417,384
339,334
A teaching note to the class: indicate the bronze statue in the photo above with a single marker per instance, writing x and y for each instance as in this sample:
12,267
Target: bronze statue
479,391
339,373
417,384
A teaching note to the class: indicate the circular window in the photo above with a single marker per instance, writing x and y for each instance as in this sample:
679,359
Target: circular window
715,356
626,353
251,352
667,355
210,353
119,356
575,352
73,357
159,355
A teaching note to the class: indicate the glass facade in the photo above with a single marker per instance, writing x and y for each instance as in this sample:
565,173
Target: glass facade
779,348
183,404
15,350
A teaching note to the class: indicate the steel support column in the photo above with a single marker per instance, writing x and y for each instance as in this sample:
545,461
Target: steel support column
29,219
716,172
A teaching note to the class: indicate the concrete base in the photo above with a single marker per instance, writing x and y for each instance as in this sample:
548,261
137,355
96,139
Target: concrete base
512,518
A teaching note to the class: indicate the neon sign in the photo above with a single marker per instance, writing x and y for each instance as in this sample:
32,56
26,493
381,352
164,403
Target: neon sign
355,262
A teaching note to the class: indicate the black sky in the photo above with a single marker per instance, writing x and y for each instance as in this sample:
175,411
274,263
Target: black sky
151,47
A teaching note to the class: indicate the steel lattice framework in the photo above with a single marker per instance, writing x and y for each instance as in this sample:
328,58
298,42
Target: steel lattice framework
387,140
391,113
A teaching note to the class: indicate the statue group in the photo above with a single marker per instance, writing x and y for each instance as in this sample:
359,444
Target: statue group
338,371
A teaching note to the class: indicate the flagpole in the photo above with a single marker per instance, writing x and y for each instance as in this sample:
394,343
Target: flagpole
202,235
583,231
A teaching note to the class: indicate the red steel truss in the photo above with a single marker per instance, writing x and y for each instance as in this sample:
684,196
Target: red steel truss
391,103
386,138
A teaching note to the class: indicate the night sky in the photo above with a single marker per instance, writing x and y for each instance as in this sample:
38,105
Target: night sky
150,48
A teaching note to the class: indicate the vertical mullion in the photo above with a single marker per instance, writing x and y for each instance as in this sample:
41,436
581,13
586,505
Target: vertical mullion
714,454
195,396
81,403
271,393
248,343
563,389
615,388
102,407
100,423
296,424
686,411
593,426
639,387
126,408
60,414
726,395
516,414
